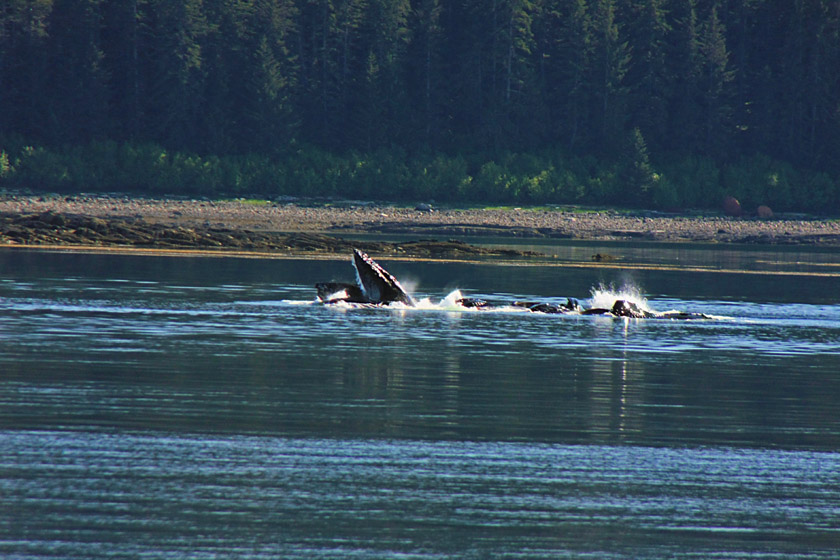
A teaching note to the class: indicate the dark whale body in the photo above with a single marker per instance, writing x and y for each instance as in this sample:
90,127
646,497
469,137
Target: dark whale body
376,286
571,306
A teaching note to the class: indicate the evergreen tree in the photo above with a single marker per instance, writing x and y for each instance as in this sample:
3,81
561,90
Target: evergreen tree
23,66
270,77
647,74
172,70
467,72
424,72
809,61
624,80
638,176
76,85
611,57
227,69
518,39
120,48
333,63
683,71
379,100
823,133
714,85
572,59
524,113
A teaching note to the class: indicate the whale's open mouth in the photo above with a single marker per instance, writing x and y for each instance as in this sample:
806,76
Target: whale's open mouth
374,285
378,285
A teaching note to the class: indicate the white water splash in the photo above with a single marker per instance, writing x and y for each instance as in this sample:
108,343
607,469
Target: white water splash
603,297
426,303
340,294
451,300
409,284
297,302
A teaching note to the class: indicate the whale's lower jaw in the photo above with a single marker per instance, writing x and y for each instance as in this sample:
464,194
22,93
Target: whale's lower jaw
334,292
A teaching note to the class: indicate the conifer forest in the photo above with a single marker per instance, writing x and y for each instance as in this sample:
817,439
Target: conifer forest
641,103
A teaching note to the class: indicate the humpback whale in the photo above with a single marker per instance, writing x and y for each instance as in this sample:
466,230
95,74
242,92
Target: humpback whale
376,286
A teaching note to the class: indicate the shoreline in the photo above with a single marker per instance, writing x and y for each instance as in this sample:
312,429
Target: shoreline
546,261
299,226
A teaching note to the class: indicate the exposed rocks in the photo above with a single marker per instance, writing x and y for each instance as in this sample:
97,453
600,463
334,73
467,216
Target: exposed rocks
51,228
764,212
222,223
731,207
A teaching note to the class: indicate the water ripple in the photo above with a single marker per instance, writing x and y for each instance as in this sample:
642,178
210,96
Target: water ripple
101,495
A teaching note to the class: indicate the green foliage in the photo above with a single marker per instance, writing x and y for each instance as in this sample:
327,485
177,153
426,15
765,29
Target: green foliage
513,178
441,178
821,193
5,165
637,174
689,182
759,180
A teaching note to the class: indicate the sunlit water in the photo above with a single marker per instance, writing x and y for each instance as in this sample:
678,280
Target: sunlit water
165,407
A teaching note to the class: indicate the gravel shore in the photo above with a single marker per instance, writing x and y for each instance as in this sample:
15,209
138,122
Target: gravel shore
300,216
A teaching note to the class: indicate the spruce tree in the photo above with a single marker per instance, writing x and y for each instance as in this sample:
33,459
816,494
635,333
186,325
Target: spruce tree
683,70
647,73
715,85
424,73
173,71
24,66
77,90
611,57
120,48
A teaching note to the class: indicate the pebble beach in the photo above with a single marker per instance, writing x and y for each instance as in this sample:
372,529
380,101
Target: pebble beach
424,220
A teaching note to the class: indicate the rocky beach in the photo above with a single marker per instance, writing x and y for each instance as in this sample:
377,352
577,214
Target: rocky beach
302,226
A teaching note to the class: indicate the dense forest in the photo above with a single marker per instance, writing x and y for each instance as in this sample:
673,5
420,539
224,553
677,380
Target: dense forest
660,103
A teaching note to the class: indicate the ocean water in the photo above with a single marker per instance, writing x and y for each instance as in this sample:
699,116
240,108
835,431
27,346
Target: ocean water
173,407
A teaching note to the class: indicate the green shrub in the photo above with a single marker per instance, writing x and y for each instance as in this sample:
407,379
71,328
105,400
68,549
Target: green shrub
569,188
820,194
760,180
390,174
665,194
5,165
40,169
443,178
689,182
491,184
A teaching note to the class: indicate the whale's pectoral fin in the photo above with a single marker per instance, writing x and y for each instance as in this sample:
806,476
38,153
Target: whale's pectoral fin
334,292
376,283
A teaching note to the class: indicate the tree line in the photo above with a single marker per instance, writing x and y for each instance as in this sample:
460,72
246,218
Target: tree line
620,101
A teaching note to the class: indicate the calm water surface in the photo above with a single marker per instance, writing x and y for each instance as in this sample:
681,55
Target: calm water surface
164,407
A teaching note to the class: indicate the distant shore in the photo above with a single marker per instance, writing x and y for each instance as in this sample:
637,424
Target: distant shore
300,225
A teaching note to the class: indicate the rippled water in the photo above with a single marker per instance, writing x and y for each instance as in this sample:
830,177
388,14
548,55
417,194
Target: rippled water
206,407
